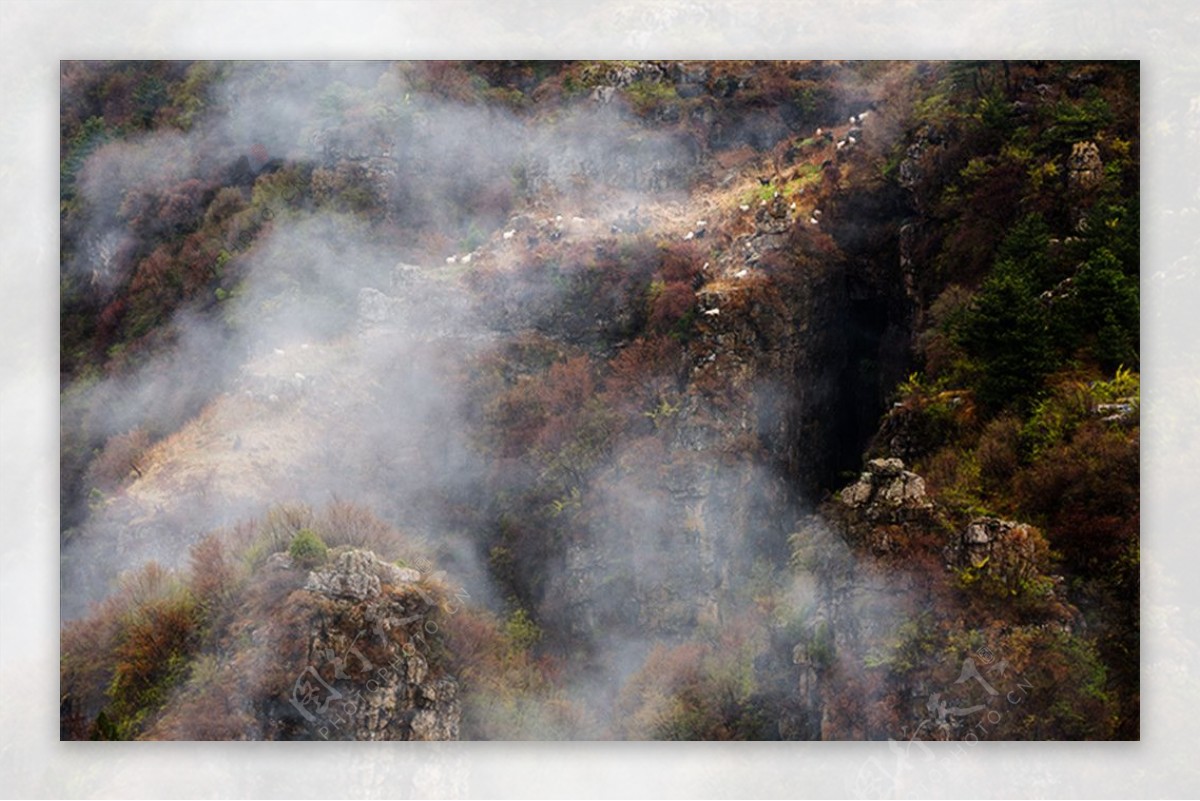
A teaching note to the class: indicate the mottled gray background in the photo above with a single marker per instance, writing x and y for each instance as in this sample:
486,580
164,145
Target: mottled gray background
35,35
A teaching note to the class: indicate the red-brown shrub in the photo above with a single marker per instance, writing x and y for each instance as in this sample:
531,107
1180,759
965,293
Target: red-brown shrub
669,305
681,262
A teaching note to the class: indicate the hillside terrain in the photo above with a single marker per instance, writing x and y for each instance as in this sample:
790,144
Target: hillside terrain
643,400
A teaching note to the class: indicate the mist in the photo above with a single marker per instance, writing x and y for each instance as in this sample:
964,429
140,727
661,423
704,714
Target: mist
339,367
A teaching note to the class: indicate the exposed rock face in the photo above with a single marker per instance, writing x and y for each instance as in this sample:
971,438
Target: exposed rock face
1085,173
1015,556
922,159
1085,170
762,423
347,651
752,438
357,575
368,672
887,493
975,544
869,552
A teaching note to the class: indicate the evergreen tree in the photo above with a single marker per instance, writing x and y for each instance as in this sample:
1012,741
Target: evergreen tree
1006,338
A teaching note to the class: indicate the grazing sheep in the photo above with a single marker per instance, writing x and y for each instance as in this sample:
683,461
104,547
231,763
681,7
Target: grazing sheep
452,260
741,273
510,234
712,312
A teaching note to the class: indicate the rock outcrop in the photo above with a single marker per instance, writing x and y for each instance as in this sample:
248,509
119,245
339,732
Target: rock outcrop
885,499
1014,558
1085,170
887,493
882,555
357,575
350,650
369,674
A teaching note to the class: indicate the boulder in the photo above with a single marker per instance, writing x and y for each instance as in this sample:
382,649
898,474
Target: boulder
357,575
1014,555
887,493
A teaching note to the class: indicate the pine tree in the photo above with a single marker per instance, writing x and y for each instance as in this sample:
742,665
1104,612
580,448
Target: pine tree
1006,337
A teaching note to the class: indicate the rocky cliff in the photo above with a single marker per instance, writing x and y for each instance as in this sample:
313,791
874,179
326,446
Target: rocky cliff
615,367
348,649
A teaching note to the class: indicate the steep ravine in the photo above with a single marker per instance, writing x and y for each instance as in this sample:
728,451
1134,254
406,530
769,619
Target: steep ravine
688,402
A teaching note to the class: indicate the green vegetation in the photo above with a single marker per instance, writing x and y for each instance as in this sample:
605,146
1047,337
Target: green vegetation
1025,403
307,549
159,658
647,96
628,456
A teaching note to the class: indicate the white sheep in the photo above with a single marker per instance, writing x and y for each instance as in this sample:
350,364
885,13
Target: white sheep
744,207
712,312
510,234
466,259
688,236
813,220
452,260
741,273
